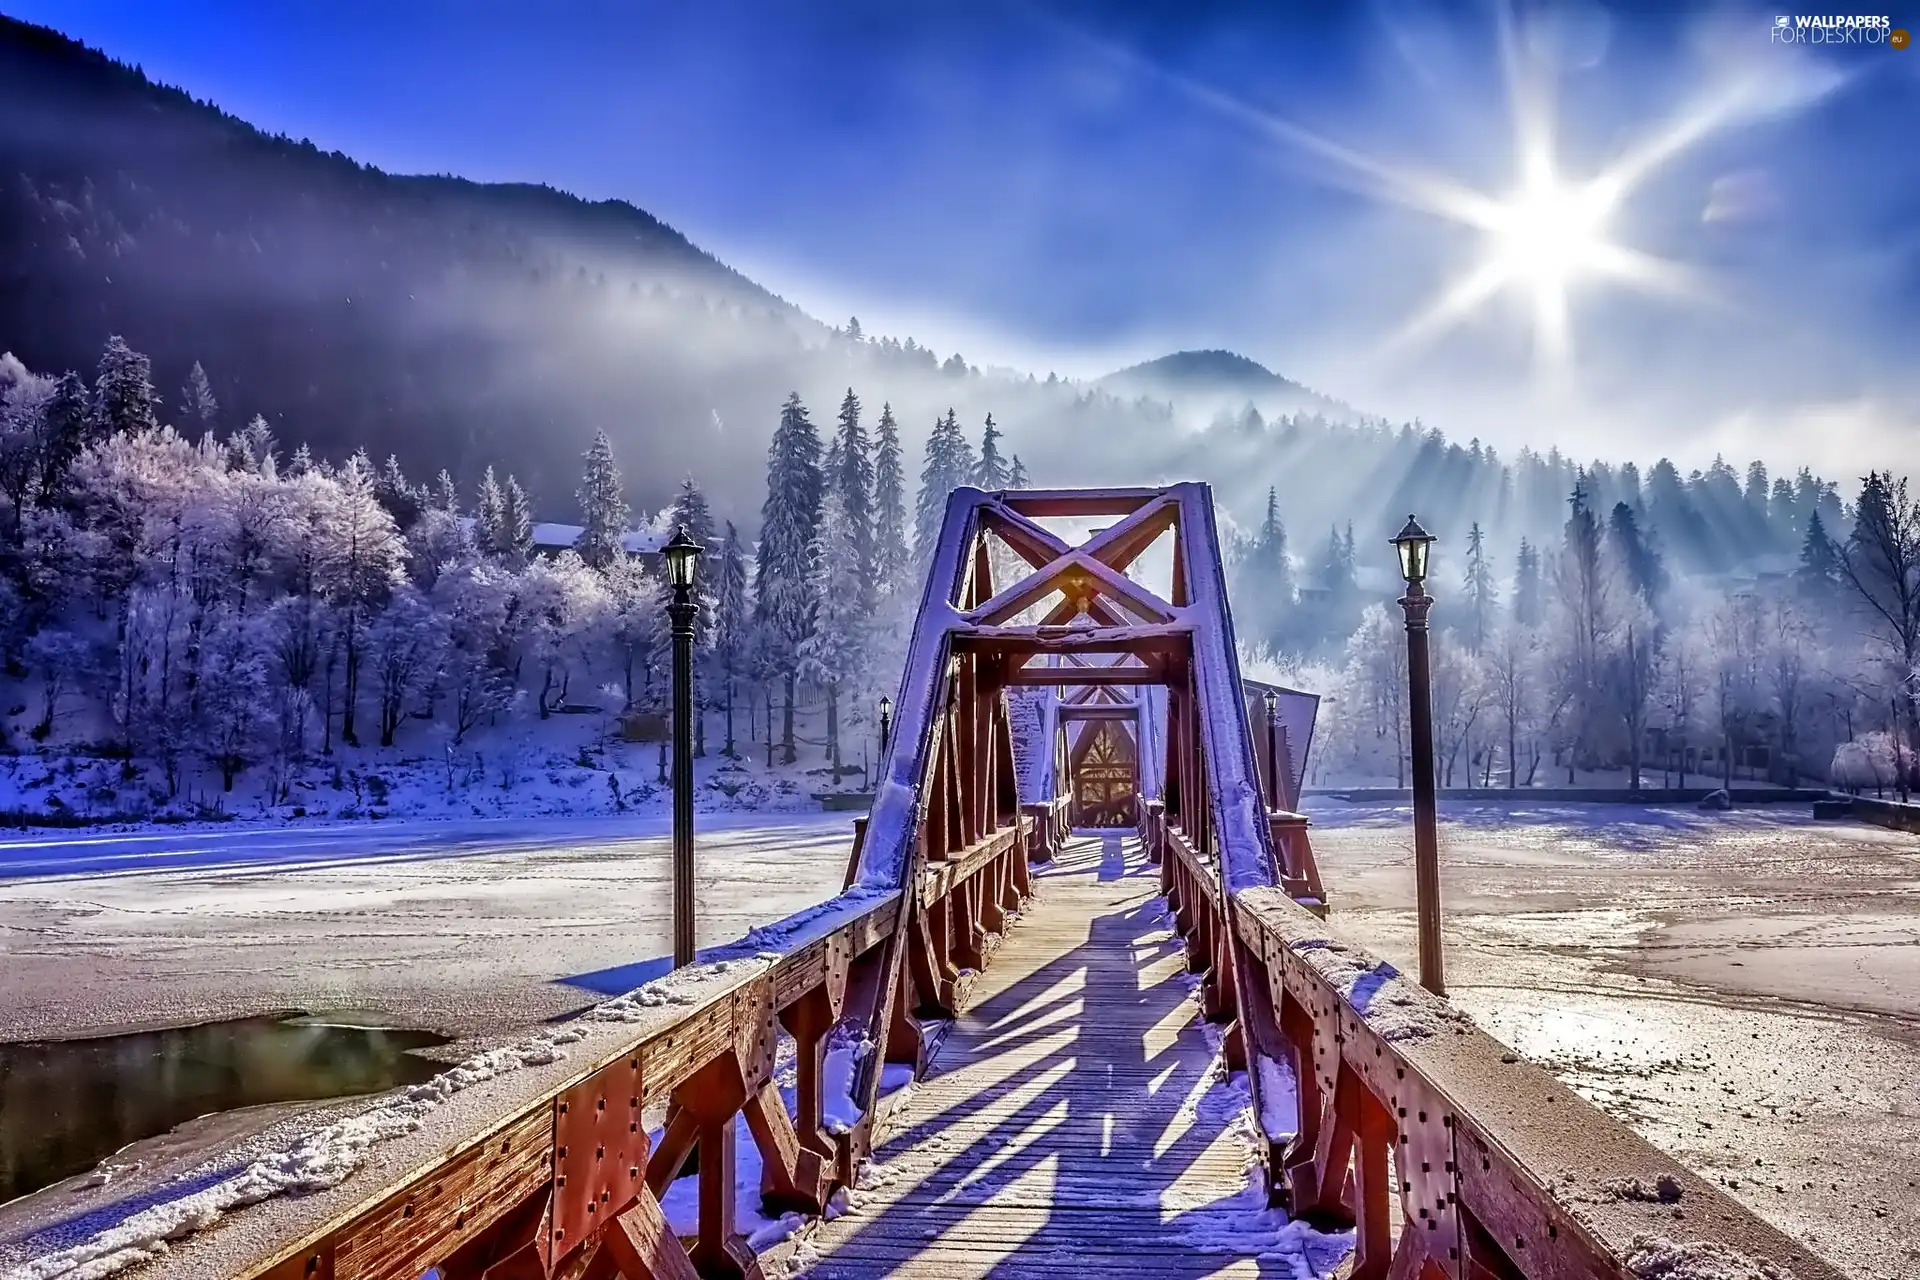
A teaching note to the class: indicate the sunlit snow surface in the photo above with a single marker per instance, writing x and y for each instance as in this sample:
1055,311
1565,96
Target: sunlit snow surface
1741,988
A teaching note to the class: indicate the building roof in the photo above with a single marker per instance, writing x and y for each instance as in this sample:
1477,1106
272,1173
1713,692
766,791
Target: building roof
558,537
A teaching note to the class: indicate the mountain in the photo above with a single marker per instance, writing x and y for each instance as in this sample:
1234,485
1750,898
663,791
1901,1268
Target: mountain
458,325
452,322
1220,379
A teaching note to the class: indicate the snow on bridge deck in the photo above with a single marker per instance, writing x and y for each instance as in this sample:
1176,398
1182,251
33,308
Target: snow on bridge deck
1074,1119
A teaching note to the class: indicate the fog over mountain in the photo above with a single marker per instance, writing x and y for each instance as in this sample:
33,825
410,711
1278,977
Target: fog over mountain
459,325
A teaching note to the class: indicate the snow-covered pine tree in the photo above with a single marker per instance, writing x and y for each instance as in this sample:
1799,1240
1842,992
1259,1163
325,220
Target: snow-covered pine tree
990,473
783,571
123,395
1819,570
949,465
603,506
251,448
199,411
1017,474
1526,585
835,653
361,555
890,551
63,434
396,495
490,516
691,511
852,477
519,527
732,626
1483,593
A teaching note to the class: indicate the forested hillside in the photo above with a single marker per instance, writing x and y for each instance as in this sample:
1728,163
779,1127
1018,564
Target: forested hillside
229,353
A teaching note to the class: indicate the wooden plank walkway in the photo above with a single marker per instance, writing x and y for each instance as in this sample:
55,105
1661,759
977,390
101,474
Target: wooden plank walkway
1069,1123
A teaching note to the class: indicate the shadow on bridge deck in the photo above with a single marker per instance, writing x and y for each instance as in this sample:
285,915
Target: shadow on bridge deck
1074,1121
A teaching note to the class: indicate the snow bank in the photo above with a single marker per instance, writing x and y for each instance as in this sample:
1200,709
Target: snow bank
1393,1006
681,1203
1657,1258
847,1047
315,1162
1242,1225
325,1158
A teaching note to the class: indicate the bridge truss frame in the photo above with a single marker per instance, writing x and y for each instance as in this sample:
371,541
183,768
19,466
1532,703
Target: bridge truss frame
1497,1170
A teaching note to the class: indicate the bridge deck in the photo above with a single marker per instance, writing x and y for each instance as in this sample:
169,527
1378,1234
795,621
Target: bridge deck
1069,1115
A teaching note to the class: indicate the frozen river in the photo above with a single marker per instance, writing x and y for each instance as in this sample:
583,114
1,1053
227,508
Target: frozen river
1741,988
466,928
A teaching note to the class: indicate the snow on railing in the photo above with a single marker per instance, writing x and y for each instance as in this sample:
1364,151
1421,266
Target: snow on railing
1498,1169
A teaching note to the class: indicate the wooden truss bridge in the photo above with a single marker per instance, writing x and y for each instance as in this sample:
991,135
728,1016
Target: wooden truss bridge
1056,1132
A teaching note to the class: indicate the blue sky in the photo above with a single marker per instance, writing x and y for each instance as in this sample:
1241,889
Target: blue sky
1074,185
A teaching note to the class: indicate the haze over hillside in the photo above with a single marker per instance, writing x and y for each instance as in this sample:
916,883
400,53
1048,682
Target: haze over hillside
459,325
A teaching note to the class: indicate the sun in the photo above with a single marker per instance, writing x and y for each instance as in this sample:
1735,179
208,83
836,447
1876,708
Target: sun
1549,232
1543,239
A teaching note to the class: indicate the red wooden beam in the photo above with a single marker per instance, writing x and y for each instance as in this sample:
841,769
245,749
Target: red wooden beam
1078,502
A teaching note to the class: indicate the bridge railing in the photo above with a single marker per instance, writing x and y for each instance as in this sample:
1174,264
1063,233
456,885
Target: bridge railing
552,1170
1404,1108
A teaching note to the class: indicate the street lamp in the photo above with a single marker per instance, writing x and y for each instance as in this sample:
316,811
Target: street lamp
682,553
1413,544
886,722
1271,701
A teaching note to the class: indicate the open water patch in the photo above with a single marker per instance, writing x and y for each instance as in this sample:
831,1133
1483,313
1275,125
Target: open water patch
66,1105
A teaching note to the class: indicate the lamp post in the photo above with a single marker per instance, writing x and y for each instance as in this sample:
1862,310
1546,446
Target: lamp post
1271,702
886,723
1413,543
681,553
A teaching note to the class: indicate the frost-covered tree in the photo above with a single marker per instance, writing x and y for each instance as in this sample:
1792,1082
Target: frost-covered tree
361,560
949,464
405,646
490,517
637,601
1483,594
123,395
890,551
990,472
235,712
400,499
1526,585
1818,574
475,601
63,660
850,473
604,513
835,654
1638,562
1263,582
199,411
519,525
565,604
732,626
1017,474
1880,567
783,571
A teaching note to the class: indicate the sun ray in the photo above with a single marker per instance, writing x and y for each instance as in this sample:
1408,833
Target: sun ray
1544,238
1452,305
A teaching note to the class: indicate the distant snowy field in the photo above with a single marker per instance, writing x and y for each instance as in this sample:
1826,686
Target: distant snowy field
467,927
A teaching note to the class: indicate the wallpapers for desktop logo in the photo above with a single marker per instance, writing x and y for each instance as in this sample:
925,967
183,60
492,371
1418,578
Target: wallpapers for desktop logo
1810,28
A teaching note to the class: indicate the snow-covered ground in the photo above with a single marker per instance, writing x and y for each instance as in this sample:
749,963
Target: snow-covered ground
469,928
1742,988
